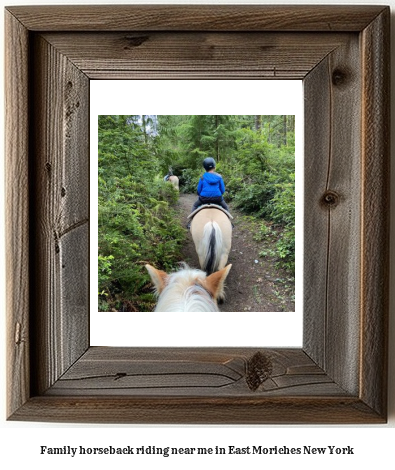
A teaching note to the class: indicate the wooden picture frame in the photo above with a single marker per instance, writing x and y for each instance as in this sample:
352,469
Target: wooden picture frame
340,373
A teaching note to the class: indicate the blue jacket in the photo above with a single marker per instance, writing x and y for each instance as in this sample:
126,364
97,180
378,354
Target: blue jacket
211,185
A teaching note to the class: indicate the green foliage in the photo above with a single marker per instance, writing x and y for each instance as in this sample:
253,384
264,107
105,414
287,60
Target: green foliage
286,248
189,180
264,231
253,152
193,138
104,267
282,205
261,181
283,213
253,197
137,224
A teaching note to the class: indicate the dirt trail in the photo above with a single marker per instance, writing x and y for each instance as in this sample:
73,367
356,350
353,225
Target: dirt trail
254,283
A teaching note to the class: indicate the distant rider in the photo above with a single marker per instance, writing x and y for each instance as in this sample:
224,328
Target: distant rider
211,186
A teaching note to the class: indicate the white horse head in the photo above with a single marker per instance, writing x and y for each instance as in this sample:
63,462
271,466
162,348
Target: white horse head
188,290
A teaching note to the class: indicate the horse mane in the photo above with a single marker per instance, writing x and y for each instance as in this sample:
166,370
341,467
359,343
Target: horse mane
185,293
212,238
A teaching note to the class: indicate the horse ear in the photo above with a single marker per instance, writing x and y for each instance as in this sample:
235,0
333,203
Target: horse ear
158,277
215,282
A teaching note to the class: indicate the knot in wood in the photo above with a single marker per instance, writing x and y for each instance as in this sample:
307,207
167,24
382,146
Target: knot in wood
330,199
135,41
339,77
259,369
120,375
18,333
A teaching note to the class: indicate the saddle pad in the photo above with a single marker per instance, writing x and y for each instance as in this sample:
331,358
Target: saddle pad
209,206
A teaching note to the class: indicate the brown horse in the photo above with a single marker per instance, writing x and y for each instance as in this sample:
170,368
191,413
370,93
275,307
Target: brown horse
211,232
188,290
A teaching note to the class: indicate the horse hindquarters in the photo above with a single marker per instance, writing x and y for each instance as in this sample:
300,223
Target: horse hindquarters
175,182
211,231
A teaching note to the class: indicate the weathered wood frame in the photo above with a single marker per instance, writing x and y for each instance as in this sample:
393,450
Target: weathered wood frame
340,374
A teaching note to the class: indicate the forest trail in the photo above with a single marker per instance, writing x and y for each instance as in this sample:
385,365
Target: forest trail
254,283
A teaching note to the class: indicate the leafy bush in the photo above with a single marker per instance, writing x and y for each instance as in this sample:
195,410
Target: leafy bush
189,180
135,228
282,205
254,198
286,248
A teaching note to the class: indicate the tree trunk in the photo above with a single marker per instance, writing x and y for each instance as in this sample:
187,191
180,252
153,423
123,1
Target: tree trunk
258,123
144,128
217,140
285,130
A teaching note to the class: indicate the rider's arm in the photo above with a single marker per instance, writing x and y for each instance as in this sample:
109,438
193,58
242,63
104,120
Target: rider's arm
222,186
200,186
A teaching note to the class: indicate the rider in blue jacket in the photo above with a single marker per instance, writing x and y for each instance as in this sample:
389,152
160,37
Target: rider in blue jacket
211,186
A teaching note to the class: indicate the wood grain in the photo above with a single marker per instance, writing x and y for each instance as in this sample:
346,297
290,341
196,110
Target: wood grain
198,410
17,213
339,376
60,188
196,18
375,212
123,385
196,55
208,372
332,208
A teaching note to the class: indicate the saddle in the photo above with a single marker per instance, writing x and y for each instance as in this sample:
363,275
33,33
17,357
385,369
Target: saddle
208,206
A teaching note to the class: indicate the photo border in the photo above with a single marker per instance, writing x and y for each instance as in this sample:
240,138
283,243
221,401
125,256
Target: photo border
137,331
340,374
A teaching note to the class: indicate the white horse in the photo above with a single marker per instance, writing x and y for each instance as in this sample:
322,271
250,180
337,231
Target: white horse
188,290
173,180
211,232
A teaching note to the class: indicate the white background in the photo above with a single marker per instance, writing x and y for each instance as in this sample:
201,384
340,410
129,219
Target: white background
19,442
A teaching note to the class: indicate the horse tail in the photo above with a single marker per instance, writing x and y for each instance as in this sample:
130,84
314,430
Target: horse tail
212,242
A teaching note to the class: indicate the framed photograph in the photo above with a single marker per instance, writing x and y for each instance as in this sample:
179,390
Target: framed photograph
339,375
